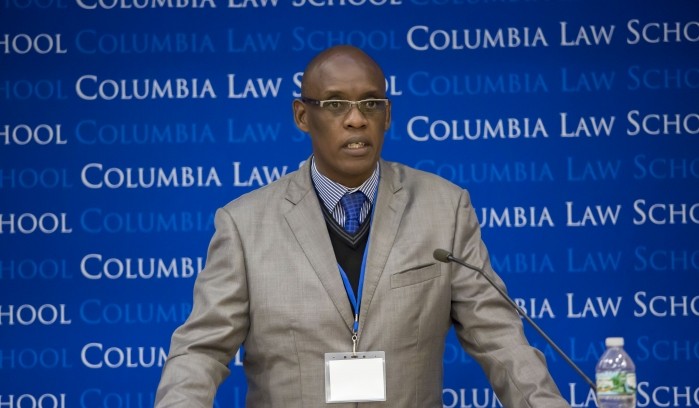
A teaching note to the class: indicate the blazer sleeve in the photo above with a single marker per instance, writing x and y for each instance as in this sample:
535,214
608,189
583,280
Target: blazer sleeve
489,329
204,345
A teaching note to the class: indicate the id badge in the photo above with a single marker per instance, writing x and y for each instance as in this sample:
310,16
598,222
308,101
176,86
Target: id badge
357,377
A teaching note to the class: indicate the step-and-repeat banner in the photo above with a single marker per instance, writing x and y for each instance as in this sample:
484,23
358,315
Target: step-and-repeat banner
124,124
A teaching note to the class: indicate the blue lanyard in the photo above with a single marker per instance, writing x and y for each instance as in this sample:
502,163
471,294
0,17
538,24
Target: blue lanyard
355,300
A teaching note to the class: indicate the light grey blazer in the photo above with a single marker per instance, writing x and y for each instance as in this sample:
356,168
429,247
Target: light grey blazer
271,283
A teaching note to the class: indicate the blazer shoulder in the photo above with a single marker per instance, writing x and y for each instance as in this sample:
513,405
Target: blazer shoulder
263,197
418,181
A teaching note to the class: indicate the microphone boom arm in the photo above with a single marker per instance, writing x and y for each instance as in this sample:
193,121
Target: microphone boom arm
446,256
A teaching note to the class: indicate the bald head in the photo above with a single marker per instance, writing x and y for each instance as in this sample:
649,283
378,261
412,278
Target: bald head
342,55
346,145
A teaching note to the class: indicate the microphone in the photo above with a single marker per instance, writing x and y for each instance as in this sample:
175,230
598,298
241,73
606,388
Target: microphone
442,255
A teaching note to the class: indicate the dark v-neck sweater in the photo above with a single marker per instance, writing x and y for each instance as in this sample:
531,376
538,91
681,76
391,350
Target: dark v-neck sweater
349,249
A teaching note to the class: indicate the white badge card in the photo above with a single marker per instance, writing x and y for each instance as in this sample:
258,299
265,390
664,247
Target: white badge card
357,377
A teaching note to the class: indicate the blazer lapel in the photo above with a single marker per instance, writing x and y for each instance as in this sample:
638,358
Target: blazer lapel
390,206
306,221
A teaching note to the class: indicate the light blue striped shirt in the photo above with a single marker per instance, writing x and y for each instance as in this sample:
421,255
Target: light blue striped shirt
331,192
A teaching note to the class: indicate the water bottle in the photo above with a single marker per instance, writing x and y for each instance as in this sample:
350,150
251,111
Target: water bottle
616,376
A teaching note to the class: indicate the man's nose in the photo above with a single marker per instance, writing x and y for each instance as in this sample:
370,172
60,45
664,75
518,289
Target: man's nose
355,118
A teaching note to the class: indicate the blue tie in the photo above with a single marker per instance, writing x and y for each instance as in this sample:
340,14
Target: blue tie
352,204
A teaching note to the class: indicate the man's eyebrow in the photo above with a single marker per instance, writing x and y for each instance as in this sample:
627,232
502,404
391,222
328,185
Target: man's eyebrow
374,94
334,95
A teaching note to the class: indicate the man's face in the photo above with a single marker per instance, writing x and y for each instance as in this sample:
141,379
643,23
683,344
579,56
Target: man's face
346,146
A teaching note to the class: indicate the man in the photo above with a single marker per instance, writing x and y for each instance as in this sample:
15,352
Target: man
286,262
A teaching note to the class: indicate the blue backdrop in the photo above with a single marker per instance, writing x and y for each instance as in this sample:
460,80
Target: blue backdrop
124,124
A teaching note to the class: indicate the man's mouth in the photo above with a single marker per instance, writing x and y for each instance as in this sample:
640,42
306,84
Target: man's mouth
355,145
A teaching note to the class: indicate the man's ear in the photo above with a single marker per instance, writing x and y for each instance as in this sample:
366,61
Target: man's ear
300,115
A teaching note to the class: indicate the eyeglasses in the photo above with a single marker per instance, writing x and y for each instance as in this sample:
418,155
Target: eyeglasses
341,106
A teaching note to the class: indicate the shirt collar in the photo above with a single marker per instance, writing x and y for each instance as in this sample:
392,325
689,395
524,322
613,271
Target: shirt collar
331,192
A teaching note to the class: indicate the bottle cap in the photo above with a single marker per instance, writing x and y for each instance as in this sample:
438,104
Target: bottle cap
614,342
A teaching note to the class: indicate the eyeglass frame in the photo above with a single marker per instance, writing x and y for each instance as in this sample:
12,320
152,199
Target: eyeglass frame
319,103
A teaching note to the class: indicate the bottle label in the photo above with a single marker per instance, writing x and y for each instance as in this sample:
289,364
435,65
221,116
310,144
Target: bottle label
616,383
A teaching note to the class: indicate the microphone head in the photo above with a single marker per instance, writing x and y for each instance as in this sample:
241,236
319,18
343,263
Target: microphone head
442,255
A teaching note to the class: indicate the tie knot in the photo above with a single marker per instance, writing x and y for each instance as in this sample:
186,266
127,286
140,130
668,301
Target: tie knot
352,205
